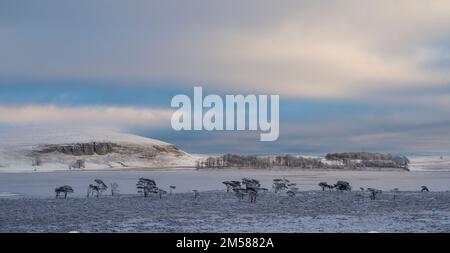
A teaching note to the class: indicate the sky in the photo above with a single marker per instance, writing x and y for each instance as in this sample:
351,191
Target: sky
352,75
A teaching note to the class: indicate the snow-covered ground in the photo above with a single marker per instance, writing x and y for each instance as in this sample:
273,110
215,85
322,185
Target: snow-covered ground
27,203
429,162
218,211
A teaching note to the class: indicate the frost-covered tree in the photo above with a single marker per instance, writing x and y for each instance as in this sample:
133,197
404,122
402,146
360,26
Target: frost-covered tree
290,193
239,193
145,186
36,161
114,188
343,186
98,188
374,192
77,164
323,185
172,188
252,194
160,192
423,188
65,189
196,194
395,191
280,184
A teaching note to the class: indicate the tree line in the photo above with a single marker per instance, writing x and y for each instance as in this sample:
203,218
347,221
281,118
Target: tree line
353,160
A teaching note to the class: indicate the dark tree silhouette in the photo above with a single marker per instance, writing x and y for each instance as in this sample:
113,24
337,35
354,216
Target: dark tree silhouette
423,188
114,188
65,189
196,194
145,186
36,161
172,188
374,192
239,193
280,184
395,191
98,188
290,193
343,186
323,185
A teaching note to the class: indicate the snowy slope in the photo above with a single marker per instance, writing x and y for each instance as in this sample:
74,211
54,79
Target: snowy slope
19,148
430,163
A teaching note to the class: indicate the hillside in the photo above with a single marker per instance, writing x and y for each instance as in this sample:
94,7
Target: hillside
35,149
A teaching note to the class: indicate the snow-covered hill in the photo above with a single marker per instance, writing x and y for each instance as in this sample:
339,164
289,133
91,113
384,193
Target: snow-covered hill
37,149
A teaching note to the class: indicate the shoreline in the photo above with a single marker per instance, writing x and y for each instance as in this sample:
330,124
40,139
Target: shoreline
175,168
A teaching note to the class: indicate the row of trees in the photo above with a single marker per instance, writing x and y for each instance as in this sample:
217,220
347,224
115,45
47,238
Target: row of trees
243,161
252,187
144,186
352,160
247,186
36,161
366,159
96,189
339,186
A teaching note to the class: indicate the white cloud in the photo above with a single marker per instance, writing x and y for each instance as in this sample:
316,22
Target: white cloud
113,117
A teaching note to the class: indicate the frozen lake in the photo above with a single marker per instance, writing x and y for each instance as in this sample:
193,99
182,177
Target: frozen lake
42,184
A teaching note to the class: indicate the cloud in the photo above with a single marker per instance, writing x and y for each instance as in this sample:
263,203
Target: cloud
389,57
112,117
332,49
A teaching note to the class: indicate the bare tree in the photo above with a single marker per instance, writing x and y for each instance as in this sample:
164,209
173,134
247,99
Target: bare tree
172,187
98,188
196,194
36,161
280,184
145,186
78,164
239,193
374,192
63,189
160,192
114,188
395,191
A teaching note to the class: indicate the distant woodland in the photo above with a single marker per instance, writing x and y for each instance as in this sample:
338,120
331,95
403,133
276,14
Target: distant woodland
350,160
